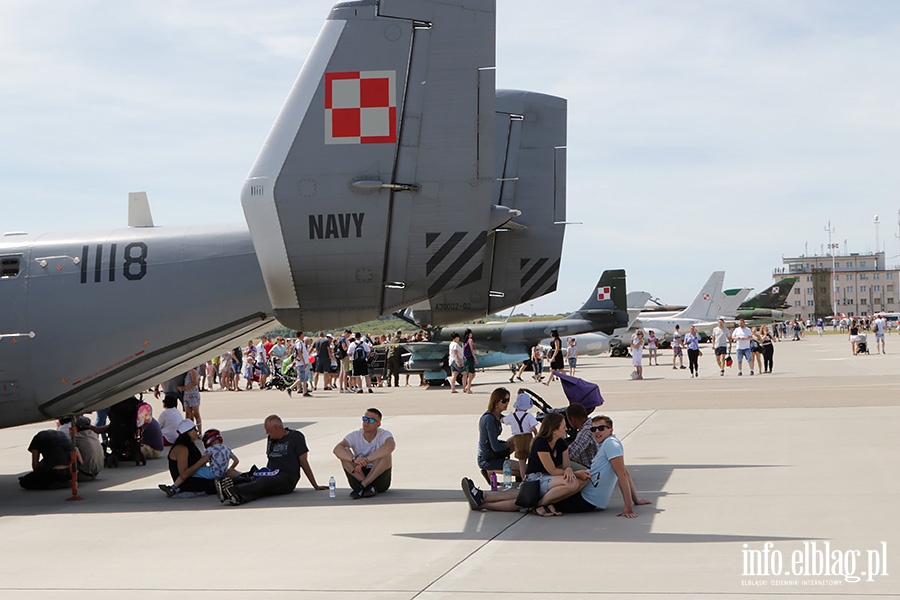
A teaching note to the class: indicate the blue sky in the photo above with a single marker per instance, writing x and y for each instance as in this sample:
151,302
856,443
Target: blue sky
703,135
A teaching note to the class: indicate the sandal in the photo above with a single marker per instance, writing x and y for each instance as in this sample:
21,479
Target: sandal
543,512
553,512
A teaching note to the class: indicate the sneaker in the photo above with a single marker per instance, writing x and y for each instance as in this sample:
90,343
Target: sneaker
674,368
473,494
224,487
357,492
682,367
370,391
359,391
289,392
739,373
751,372
722,372
234,499
307,395
369,492
170,490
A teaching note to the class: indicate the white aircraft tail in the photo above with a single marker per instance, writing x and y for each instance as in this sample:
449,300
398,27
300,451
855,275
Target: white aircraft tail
730,300
704,307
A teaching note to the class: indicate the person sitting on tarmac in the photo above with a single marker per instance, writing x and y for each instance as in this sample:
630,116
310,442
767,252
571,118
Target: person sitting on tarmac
89,449
51,452
219,457
185,460
287,455
365,455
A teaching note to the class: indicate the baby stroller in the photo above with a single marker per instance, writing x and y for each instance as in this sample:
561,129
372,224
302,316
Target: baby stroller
126,420
281,379
577,391
862,347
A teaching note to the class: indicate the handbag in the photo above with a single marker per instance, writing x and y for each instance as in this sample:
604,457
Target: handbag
529,494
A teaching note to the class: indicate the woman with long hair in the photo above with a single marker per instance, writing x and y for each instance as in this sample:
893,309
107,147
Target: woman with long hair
549,464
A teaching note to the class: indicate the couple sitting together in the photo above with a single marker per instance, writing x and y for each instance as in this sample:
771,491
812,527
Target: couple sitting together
562,489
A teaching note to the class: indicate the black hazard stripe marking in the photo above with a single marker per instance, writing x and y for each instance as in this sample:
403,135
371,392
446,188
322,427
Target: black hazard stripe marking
473,249
551,272
443,251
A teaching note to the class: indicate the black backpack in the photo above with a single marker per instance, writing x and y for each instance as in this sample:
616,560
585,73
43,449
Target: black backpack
360,352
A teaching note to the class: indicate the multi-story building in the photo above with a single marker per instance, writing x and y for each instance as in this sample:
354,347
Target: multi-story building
862,286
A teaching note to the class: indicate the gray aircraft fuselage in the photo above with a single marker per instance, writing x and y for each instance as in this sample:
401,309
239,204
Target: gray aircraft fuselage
112,318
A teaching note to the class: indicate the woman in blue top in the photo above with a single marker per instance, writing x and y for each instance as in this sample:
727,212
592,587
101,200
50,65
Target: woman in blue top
492,450
692,342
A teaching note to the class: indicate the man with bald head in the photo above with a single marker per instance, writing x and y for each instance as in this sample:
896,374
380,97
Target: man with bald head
287,455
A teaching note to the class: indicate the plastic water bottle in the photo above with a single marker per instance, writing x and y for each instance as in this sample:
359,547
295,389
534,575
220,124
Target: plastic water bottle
331,487
507,474
493,481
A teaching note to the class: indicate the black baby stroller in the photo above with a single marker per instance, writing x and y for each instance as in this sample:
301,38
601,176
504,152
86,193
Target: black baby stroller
862,347
124,435
577,391
283,377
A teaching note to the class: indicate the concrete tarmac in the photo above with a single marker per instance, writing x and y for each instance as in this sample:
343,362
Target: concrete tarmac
775,485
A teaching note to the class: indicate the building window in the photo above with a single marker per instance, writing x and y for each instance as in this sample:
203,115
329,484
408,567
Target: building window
863,276
796,303
810,303
808,278
809,290
889,287
862,301
876,275
862,264
797,291
849,277
876,288
890,300
876,301
862,288
823,290
849,300
849,265
890,275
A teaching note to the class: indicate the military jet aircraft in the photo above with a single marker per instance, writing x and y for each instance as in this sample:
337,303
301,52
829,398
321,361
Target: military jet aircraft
376,188
499,344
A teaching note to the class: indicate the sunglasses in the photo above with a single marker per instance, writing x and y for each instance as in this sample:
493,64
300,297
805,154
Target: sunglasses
600,428
369,420
504,401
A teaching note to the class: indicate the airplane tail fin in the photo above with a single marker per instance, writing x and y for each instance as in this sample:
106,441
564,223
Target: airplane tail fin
774,297
524,244
638,299
704,306
608,295
730,300
374,188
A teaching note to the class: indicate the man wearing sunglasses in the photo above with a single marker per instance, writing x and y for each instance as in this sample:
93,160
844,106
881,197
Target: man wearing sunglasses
365,455
607,468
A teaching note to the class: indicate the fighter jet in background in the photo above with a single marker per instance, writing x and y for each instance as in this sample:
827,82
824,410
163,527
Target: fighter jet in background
375,189
507,343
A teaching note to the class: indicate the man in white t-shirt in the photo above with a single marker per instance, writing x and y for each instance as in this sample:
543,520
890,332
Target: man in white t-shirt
721,343
742,336
365,455
878,327
456,360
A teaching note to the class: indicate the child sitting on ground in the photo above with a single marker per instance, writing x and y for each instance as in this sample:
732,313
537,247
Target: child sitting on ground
524,426
219,456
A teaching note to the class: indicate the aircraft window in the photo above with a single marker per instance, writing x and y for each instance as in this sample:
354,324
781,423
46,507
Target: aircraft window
9,267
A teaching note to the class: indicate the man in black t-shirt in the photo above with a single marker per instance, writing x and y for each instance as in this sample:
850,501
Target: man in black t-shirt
287,455
51,452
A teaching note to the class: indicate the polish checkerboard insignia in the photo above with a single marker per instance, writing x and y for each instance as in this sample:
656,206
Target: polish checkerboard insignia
774,289
361,107
604,293
706,296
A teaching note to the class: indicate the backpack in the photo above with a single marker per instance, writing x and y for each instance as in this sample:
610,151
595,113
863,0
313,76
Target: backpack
340,350
360,352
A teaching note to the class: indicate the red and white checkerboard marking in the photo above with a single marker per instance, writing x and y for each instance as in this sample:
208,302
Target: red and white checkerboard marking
604,293
706,296
361,107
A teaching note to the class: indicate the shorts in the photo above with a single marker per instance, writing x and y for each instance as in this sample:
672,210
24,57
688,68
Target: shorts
544,478
151,453
345,364
575,504
879,337
302,373
572,362
745,352
457,368
382,483
522,445
854,338
470,364
720,350
264,369
676,351
360,368
191,400
322,366
491,464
